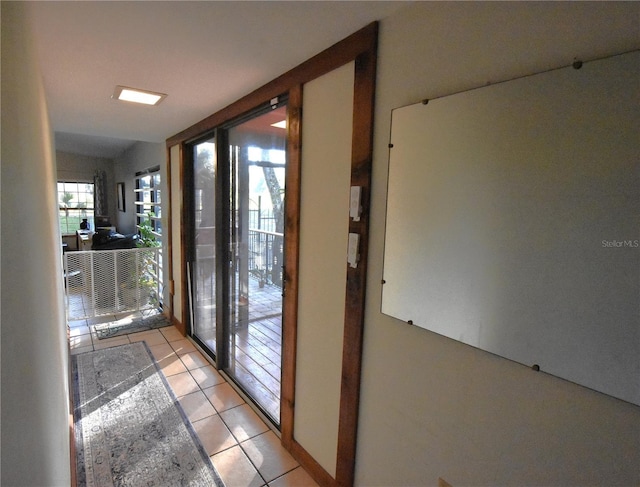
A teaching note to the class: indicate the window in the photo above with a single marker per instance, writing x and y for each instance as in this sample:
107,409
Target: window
148,204
75,203
148,199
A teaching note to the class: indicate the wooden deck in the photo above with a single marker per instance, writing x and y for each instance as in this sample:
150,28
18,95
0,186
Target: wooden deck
257,354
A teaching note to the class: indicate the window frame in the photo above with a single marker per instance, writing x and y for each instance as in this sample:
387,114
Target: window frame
154,203
90,211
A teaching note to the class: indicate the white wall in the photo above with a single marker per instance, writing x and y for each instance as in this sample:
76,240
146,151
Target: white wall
35,389
432,407
324,230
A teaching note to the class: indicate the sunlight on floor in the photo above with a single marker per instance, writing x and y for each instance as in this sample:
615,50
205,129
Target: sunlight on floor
242,447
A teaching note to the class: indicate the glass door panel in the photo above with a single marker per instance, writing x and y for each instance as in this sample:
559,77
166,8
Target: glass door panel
257,160
203,270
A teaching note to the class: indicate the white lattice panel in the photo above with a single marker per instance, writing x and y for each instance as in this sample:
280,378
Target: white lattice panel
106,282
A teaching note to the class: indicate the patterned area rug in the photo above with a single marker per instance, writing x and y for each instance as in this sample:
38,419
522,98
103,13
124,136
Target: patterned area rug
129,428
129,325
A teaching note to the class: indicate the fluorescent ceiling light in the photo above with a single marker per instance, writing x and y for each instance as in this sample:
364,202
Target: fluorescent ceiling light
138,96
280,125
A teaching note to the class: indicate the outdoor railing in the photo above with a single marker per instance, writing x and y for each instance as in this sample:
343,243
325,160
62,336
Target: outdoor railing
265,256
107,282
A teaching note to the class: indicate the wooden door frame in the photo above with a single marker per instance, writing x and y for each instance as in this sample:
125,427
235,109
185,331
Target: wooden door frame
360,47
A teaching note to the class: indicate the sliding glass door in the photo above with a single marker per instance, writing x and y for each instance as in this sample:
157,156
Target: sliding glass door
237,272
203,263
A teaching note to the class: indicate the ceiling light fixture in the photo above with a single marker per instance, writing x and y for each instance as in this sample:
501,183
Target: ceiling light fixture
280,125
138,96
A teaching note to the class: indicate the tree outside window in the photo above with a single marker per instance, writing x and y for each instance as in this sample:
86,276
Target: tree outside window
75,200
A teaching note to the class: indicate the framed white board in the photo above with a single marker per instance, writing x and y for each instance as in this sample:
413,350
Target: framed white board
513,221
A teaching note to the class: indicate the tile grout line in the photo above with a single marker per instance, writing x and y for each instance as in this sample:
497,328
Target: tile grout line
227,426
218,413
239,443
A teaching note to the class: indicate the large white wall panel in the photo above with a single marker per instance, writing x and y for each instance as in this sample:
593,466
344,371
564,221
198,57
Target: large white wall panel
35,386
430,406
324,229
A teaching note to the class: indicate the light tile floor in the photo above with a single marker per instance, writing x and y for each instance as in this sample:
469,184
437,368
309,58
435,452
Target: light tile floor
242,447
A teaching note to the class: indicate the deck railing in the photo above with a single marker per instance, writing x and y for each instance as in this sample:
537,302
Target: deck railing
108,282
265,256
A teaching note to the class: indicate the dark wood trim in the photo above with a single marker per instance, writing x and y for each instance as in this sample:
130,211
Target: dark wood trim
291,264
361,162
169,233
337,55
183,245
313,468
187,230
178,324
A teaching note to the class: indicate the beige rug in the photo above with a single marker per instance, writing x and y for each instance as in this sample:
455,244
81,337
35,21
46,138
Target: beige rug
129,428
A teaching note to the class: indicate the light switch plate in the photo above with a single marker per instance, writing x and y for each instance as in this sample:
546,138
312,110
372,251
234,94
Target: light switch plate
352,252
